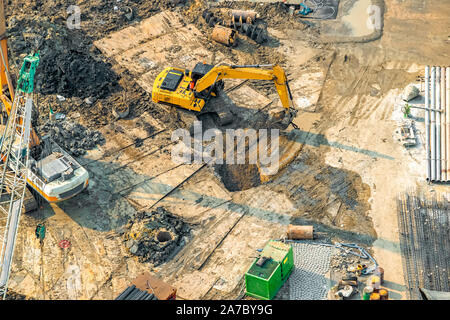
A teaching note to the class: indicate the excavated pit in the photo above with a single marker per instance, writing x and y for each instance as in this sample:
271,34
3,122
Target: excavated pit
238,177
157,236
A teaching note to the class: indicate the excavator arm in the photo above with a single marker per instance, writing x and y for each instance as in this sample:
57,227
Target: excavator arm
5,80
256,72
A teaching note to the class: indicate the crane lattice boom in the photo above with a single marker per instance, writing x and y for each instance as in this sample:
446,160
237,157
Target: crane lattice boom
14,153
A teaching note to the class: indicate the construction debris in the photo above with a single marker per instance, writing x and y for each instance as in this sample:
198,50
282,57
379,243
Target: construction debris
410,92
405,134
258,33
73,137
437,122
249,16
67,65
157,236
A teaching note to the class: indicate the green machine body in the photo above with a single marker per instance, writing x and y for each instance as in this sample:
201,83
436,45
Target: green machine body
268,273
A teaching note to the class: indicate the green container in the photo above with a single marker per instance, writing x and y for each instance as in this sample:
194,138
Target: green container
263,282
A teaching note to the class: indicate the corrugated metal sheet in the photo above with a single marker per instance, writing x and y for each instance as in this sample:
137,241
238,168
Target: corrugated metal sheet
133,293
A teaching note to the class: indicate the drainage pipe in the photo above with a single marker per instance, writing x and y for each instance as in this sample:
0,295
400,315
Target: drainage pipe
438,124
443,129
225,36
433,125
427,121
447,118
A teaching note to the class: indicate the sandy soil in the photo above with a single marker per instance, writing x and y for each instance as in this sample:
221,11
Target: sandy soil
344,179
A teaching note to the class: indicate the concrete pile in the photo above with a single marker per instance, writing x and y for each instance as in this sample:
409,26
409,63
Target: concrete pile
157,237
72,137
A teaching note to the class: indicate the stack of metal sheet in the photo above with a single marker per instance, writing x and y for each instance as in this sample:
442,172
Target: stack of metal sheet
437,123
133,293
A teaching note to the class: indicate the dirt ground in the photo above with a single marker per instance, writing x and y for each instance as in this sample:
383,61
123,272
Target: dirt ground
342,169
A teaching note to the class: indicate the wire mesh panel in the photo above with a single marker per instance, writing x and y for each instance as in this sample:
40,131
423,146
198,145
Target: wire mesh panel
425,242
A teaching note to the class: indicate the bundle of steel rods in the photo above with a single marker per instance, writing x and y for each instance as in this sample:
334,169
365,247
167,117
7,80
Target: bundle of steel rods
424,242
133,293
437,123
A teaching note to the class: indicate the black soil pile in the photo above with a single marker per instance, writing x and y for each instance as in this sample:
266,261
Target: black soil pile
97,16
70,64
159,236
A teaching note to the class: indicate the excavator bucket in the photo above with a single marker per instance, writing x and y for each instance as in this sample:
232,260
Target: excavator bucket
281,117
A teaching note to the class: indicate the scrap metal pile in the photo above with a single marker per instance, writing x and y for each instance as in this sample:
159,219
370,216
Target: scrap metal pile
73,137
133,293
424,242
242,21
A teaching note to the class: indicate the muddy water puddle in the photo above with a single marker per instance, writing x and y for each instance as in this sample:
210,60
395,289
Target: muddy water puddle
359,18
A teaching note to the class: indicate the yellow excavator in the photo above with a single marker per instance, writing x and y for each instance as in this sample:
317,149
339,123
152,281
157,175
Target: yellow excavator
192,89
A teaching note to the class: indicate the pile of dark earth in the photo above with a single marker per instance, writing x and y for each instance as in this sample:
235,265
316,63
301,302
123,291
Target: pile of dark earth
11,295
71,66
161,236
73,137
98,17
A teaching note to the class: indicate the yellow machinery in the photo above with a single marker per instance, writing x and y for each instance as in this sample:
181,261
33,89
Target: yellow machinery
192,89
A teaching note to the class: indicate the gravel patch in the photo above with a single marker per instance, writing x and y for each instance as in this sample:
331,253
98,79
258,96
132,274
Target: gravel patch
309,280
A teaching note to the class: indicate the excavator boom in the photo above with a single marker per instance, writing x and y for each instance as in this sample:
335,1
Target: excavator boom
255,72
